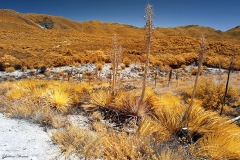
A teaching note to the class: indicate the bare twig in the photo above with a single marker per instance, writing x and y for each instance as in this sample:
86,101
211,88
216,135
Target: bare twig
226,90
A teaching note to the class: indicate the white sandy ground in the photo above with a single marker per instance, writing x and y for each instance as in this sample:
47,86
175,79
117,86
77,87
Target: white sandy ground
23,140
20,139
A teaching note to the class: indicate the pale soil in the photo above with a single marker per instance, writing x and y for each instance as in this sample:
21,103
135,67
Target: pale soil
21,139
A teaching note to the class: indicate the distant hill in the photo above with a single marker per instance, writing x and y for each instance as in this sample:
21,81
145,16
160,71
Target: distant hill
234,32
26,37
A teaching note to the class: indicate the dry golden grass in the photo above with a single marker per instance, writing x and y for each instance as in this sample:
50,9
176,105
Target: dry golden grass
128,103
60,98
218,145
41,100
79,142
211,94
101,97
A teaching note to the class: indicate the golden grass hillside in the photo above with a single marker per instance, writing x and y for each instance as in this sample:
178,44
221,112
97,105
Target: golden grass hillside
67,42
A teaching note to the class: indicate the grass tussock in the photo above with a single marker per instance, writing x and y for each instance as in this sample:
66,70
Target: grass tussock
42,101
218,146
78,142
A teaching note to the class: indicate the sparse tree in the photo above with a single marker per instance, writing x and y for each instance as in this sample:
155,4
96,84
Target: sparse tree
149,34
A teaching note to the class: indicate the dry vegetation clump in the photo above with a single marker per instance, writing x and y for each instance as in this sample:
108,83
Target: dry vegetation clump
126,62
42,101
146,139
219,145
10,69
79,142
211,94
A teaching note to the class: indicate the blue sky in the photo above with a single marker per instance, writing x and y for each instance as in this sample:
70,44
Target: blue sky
217,14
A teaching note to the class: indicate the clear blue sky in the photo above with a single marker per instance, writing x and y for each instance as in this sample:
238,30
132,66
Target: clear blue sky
217,14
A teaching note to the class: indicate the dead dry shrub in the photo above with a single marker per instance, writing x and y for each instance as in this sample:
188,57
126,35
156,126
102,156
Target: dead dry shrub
195,71
126,61
10,69
78,142
211,94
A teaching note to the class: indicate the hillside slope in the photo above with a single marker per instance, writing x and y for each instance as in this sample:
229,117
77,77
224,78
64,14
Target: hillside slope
33,40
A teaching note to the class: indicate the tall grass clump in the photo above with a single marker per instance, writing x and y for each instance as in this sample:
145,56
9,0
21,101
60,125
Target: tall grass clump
42,100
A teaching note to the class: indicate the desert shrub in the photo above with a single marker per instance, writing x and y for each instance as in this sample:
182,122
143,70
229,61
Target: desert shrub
183,66
110,144
126,61
43,69
10,69
17,66
211,94
220,145
195,71
24,68
123,66
47,73
59,96
76,141
107,59
99,66
158,63
94,60
128,103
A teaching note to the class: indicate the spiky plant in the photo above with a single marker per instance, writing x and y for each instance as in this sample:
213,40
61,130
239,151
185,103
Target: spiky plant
101,97
128,103
61,99
149,33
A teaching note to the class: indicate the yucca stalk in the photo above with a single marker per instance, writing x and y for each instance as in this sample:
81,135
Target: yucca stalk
169,78
202,52
226,90
117,51
149,33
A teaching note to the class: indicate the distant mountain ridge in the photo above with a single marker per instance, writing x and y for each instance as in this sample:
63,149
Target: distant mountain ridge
56,41
93,26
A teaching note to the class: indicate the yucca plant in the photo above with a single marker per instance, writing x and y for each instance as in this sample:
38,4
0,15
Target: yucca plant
202,52
149,33
117,54
128,104
101,98
61,99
